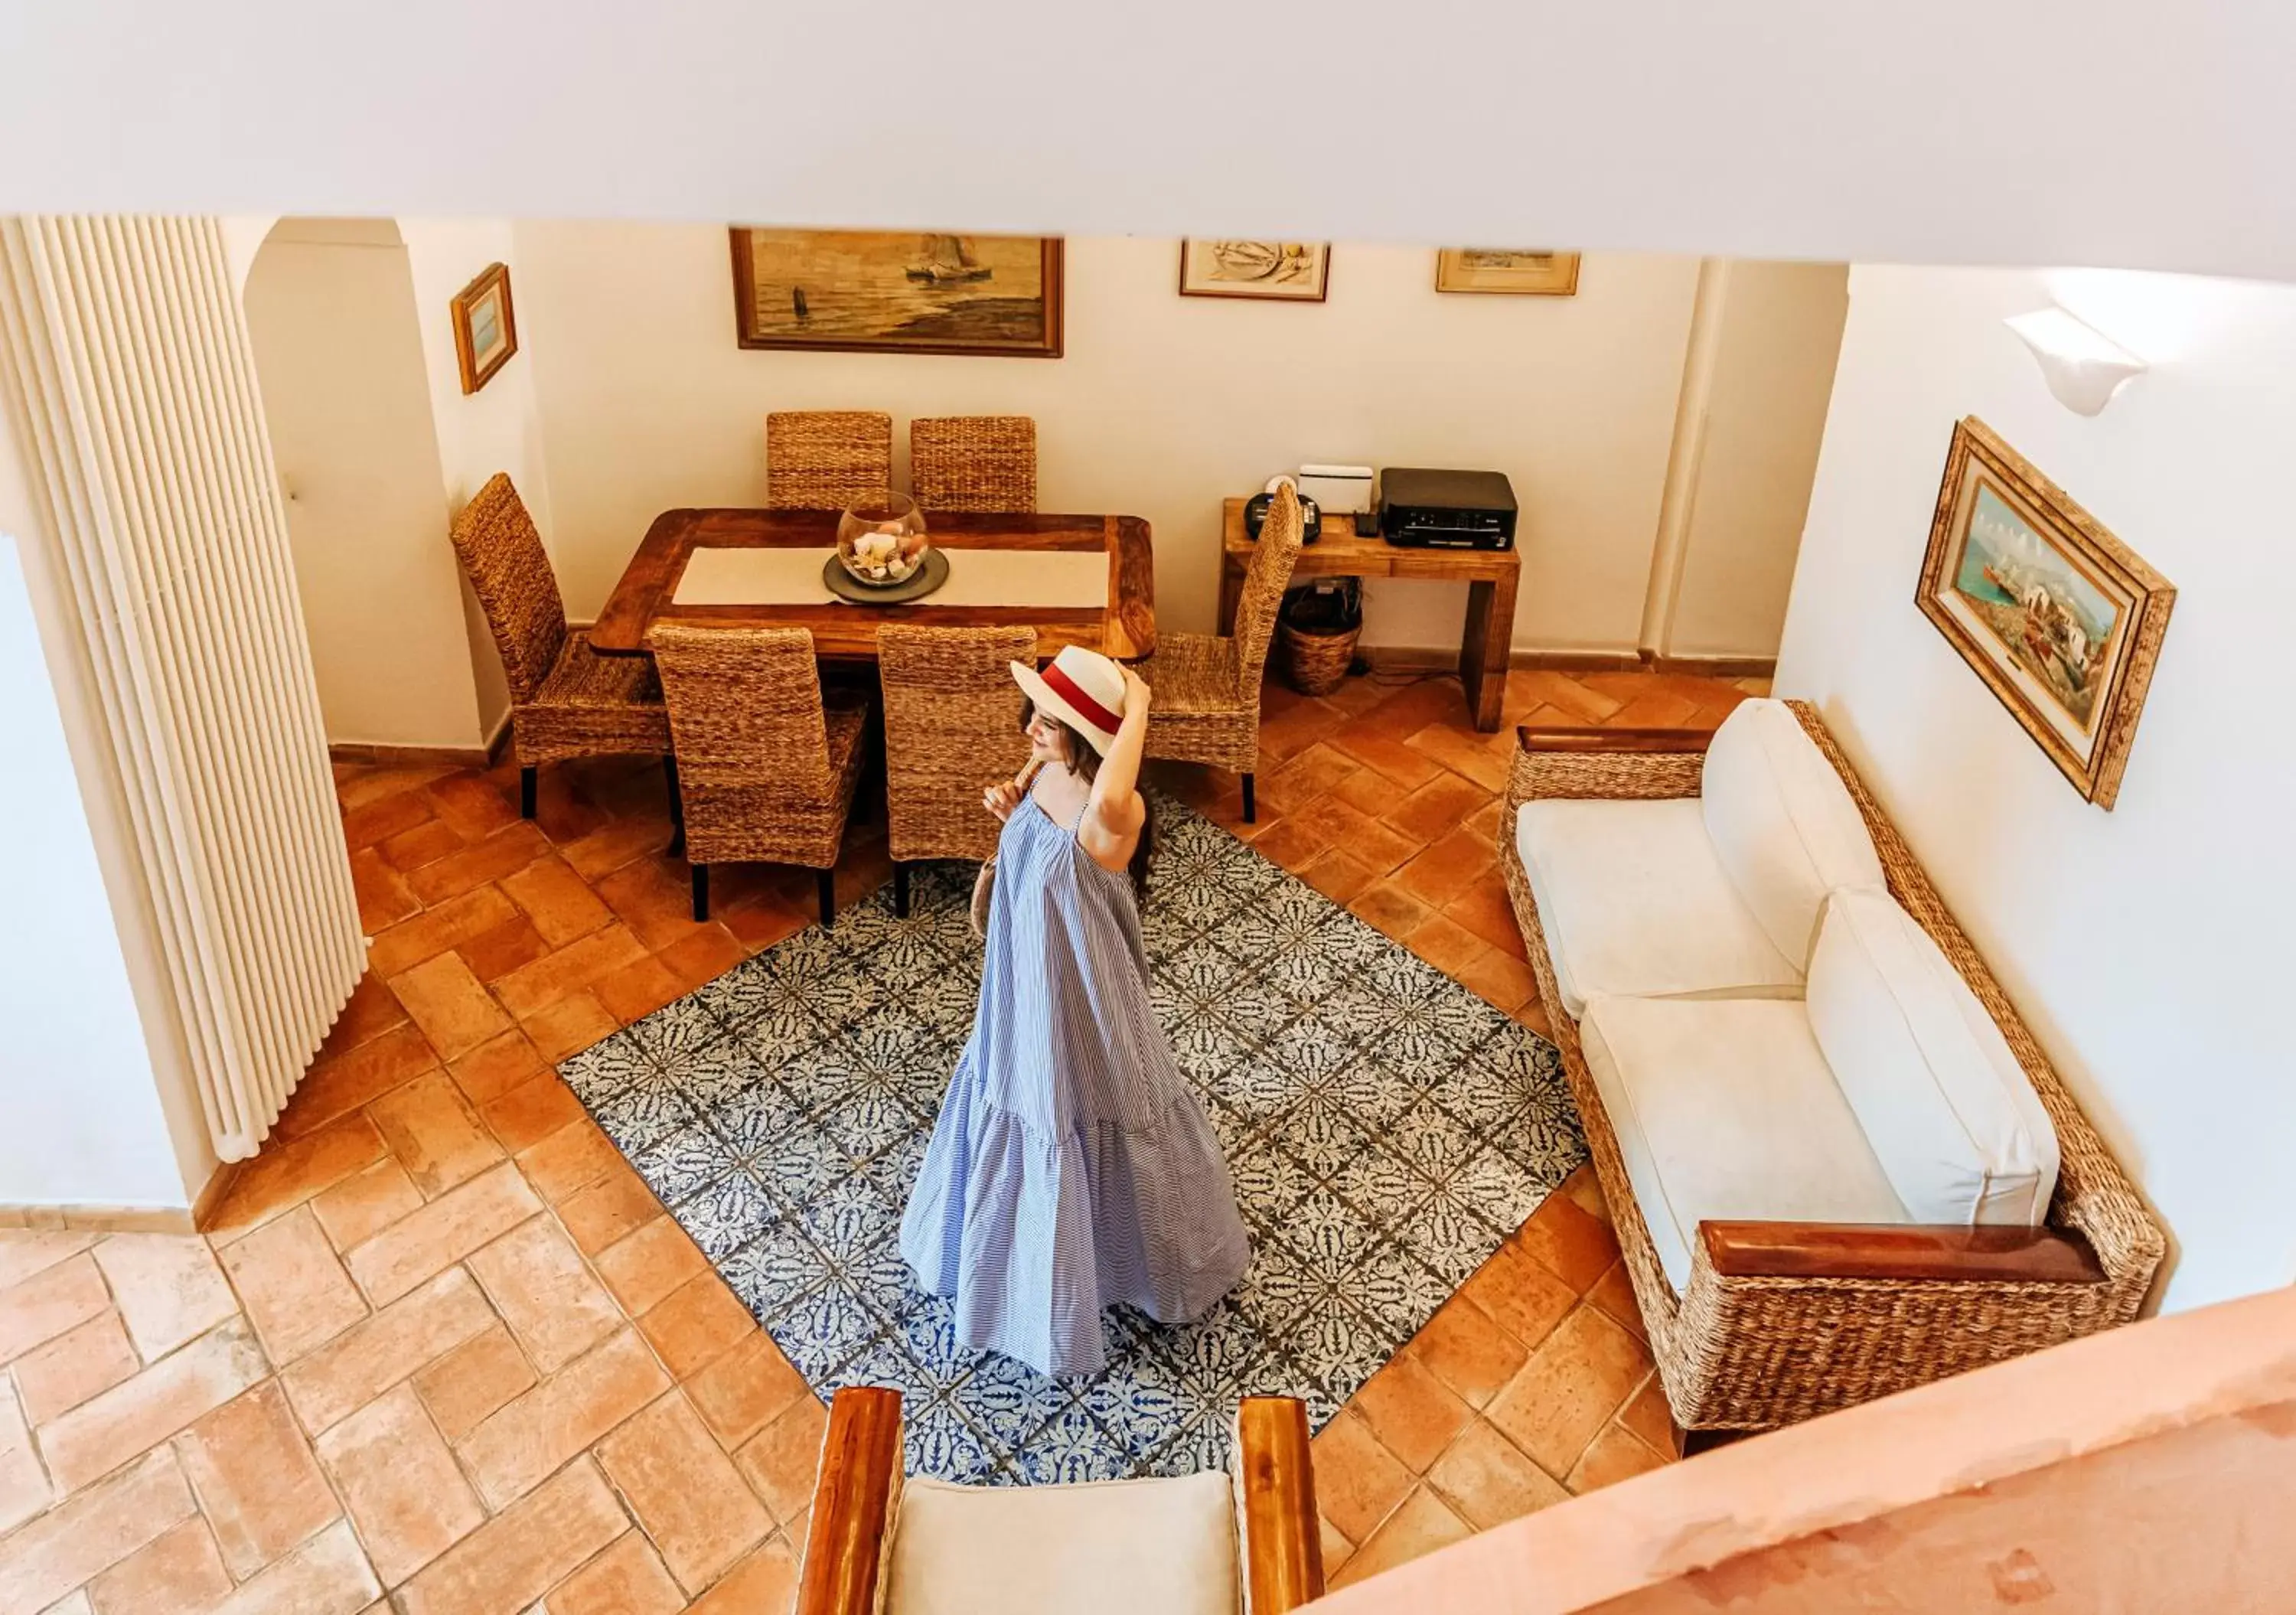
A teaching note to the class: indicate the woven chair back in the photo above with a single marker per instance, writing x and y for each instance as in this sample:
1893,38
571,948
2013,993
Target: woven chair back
826,459
973,462
745,717
1264,582
503,556
951,727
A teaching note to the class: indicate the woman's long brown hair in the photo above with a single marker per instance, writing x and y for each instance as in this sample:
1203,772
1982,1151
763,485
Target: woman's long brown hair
1077,753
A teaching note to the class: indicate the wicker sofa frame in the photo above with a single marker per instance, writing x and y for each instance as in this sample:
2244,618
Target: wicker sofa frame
1784,1321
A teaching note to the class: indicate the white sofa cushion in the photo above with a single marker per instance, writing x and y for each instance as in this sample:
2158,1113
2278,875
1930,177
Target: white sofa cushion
1724,1110
1130,1547
1951,1114
1783,824
1634,903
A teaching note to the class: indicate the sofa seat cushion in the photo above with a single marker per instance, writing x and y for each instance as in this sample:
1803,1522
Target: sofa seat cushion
1953,1119
1635,903
1724,1110
1132,1548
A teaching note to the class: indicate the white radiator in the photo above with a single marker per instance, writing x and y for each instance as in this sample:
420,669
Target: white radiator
134,389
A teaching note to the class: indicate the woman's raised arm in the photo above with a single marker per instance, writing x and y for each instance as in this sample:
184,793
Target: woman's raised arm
1113,819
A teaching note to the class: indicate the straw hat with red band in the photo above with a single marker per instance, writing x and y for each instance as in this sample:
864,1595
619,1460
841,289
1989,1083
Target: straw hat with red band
1082,688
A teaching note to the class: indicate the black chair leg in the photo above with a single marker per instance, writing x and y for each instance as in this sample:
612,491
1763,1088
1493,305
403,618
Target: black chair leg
901,891
700,891
529,781
677,847
825,882
1250,807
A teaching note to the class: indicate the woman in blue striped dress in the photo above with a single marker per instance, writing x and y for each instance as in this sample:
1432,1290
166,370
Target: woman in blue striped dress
1072,1168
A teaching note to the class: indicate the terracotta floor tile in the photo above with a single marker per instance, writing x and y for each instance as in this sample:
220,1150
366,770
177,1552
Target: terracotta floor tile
371,1009
1582,699
365,1203
1449,949
1414,1414
371,782
384,896
1464,1347
22,1255
428,934
294,1288
572,969
256,1479
545,1291
571,1159
472,803
491,857
451,1005
494,954
496,1067
1397,914
1614,1293
1335,1546
1422,1523
1484,910
1336,875
379,820
1573,1246
1403,769
698,1323
608,1210
1305,776
70,1369
1586,1192
637,989
532,1111
1502,982
327,1576
333,1088
1449,865
1647,1417
58,1298
1613,1455
1382,846
87,1535
559,902
746,1389
780,1460
474,1380
420,1244
512,1450
117,1426
765,1580
1522,1296
401,1485
352,1371
1654,710
684,1491
1486,1478
602,851
703,955
644,1268
24,1488
1464,755
1358,1481
1370,792
289,1172
1437,807
179,1573
1293,845
1579,1376
434,1133
1337,823
426,844
655,899
627,1578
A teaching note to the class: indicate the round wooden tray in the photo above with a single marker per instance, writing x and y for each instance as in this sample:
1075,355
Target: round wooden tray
917,586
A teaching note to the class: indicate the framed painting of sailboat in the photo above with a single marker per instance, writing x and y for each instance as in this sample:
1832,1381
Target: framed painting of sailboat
898,291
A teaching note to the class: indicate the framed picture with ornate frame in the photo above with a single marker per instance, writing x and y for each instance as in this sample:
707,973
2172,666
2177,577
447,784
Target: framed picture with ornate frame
2059,618
1508,271
486,329
898,291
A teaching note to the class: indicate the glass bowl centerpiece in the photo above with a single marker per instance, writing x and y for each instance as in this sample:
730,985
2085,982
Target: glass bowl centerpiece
880,540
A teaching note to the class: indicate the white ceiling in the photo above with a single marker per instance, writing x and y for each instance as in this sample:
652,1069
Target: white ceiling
2122,132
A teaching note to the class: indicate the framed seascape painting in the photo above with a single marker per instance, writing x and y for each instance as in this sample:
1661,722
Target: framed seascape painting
2057,616
898,291
1508,271
1283,271
486,331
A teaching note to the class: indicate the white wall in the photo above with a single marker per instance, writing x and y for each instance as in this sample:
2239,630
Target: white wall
1162,406
348,400
2147,946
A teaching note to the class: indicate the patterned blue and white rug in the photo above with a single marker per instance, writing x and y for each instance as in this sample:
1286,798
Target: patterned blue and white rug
1386,1129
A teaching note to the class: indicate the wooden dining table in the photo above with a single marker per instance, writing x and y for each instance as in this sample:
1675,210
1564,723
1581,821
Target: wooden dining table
1092,582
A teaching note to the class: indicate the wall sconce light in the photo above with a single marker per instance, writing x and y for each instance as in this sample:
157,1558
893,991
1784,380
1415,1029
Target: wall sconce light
2082,365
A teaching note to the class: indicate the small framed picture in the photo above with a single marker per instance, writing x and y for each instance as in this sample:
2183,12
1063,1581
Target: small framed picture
1283,271
1508,271
485,332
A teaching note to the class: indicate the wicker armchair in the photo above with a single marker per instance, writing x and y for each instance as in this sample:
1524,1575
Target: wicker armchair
952,725
973,462
768,773
1780,1322
826,459
566,700
1207,688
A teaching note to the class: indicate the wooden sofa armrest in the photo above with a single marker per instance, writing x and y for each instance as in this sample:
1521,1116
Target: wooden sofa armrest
1615,742
1275,1506
855,1499
1899,1251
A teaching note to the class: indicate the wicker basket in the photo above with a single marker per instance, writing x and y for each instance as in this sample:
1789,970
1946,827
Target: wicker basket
1319,646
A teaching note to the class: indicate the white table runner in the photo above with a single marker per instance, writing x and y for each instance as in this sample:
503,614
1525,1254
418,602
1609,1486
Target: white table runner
976,577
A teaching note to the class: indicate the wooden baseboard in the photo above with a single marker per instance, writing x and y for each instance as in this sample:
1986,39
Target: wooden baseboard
1715,666
422,757
1429,659
101,1219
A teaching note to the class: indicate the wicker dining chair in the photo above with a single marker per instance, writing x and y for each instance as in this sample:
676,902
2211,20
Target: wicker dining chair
826,459
1205,707
952,726
567,701
767,771
973,462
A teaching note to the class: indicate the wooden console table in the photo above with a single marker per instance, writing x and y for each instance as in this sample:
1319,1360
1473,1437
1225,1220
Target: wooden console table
1490,577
